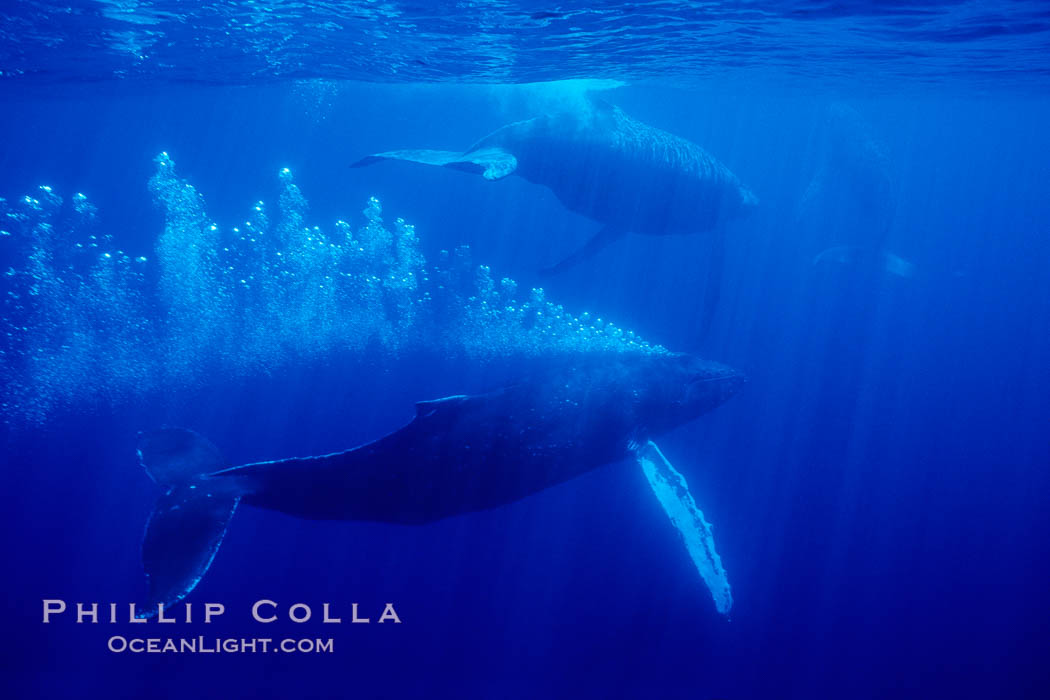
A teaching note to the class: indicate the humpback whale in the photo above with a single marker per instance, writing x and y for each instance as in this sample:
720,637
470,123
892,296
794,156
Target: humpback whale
459,454
852,197
888,262
599,162
853,184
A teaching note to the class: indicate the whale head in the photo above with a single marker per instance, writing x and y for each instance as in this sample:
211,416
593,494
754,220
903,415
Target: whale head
698,386
670,390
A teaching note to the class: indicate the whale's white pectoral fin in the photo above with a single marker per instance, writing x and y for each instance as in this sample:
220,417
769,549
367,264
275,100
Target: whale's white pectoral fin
672,491
490,163
415,156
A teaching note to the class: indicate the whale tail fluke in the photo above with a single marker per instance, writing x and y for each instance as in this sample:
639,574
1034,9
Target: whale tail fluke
189,521
490,163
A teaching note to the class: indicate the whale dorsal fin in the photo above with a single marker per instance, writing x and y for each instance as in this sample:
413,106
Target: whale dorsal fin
490,163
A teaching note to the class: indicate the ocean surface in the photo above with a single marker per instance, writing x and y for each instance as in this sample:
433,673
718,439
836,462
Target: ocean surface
184,243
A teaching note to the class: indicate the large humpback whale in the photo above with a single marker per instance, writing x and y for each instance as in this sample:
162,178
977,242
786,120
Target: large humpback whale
626,175
458,454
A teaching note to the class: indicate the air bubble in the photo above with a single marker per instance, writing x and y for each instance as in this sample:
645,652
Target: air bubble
217,301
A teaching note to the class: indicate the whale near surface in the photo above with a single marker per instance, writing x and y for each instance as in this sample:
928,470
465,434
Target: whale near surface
599,162
459,454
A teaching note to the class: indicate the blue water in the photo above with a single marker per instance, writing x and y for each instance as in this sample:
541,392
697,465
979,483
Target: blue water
877,490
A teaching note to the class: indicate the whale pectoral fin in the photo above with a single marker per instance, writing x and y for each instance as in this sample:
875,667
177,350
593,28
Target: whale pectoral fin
414,156
490,163
672,491
597,242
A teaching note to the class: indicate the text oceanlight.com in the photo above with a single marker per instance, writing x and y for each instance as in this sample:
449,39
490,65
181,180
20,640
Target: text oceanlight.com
217,645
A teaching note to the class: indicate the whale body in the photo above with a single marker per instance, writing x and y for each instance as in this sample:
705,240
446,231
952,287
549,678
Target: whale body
599,162
459,454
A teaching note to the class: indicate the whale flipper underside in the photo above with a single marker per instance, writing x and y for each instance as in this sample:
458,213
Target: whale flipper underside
672,491
189,521
490,163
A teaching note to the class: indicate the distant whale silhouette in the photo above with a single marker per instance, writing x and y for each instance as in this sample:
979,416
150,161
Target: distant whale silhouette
890,263
851,200
459,454
601,163
852,191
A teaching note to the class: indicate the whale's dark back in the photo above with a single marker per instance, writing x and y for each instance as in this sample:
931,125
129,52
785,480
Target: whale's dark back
469,453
